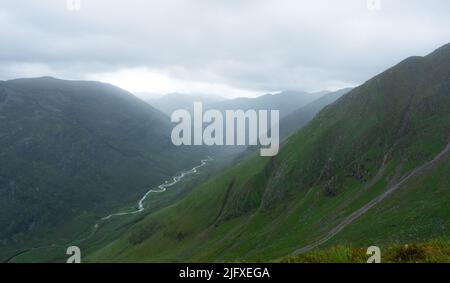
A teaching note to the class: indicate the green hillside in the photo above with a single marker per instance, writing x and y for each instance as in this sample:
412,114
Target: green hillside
302,116
369,169
428,252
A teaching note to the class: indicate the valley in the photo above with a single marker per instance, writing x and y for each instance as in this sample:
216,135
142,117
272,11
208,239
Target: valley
140,208
358,160
358,167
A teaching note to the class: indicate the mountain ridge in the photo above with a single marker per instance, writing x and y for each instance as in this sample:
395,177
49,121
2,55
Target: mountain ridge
75,149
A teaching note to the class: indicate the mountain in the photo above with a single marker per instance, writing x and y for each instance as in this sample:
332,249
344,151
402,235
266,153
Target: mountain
301,117
306,104
148,96
76,149
370,169
173,101
286,102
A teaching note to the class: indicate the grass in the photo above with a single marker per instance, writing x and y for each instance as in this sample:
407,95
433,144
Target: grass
437,251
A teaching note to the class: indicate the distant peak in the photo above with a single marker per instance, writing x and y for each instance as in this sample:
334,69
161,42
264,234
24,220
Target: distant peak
444,47
47,78
34,79
441,51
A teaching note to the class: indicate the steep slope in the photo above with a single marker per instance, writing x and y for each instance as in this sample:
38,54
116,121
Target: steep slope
71,148
299,118
302,116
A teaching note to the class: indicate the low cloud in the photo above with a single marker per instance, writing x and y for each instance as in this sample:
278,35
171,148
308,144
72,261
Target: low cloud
231,48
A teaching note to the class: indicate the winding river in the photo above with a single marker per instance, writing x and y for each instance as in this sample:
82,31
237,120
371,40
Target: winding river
161,188
140,207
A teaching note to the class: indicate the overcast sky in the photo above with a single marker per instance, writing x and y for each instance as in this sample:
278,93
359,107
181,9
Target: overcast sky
223,47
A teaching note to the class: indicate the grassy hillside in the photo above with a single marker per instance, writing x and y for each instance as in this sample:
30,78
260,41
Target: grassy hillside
360,172
429,252
302,116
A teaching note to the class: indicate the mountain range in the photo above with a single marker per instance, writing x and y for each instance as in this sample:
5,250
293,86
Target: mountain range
286,102
370,169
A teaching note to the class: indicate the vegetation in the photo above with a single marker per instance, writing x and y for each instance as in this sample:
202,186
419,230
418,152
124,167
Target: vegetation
429,252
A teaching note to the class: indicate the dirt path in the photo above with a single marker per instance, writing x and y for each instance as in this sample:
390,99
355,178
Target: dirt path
355,215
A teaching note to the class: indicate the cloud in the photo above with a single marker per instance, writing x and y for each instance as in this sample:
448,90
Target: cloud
231,47
143,80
